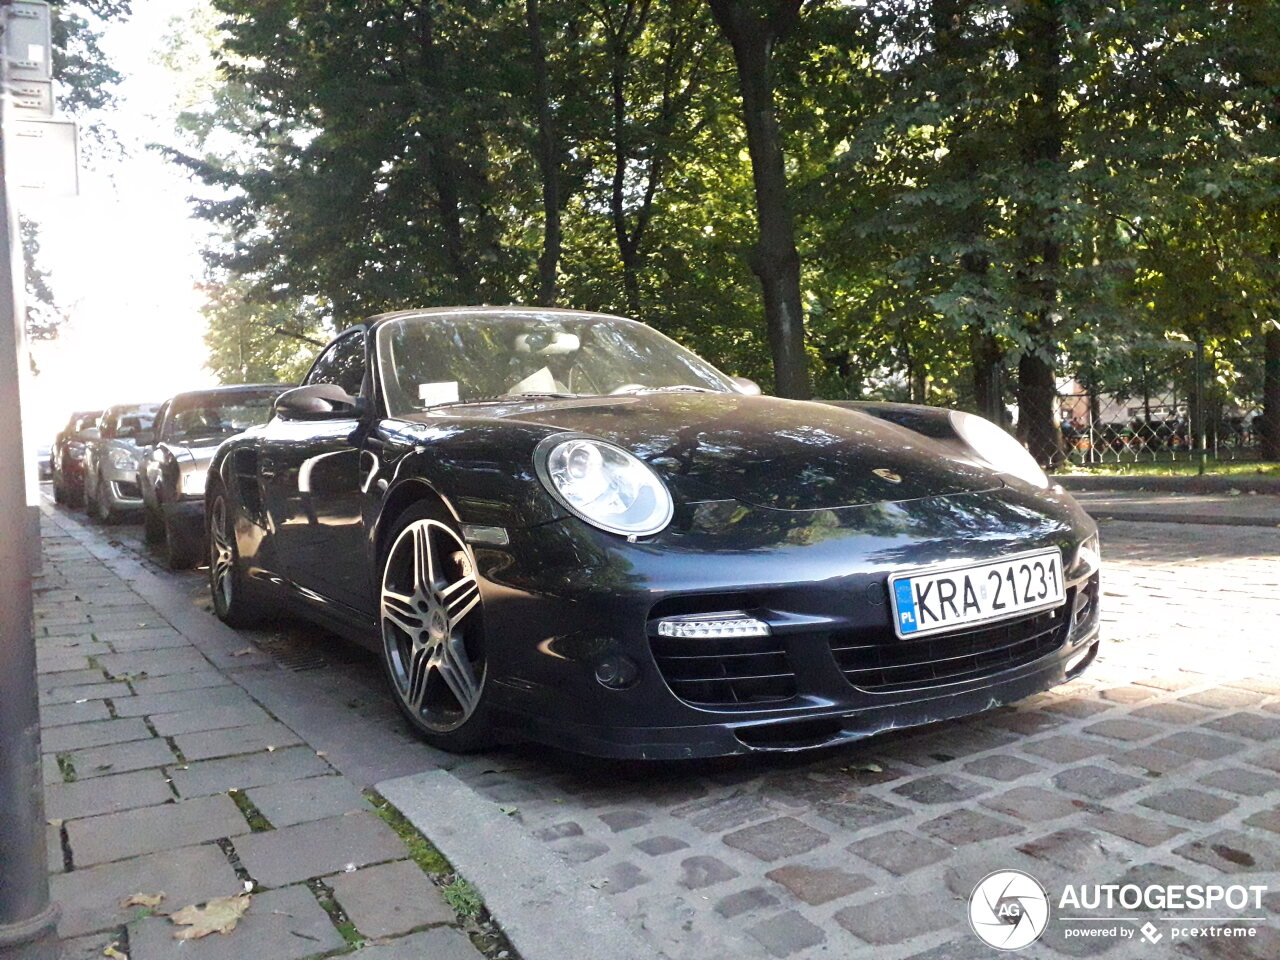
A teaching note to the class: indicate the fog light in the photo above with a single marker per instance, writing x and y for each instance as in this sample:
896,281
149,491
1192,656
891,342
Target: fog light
733,623
617,671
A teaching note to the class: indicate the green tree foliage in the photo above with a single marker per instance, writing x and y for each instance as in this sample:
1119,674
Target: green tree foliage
254,343
961,200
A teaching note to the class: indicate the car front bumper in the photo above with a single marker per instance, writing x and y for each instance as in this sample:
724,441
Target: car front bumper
123,494
565,603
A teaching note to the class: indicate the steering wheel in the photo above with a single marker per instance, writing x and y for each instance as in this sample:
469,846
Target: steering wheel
627,388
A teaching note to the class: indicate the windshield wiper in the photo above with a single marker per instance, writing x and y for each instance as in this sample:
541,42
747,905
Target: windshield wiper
678,388
507,398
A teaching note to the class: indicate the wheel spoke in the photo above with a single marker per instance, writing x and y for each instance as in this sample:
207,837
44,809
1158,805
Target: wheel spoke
424,561
398,609
455,671
416,673
460,598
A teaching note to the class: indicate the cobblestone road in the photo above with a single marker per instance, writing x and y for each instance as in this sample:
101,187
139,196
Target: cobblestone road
1162,765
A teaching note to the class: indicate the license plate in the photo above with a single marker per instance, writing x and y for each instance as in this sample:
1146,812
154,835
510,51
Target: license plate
936,600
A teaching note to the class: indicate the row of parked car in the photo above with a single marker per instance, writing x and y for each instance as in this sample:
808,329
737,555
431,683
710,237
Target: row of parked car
150,459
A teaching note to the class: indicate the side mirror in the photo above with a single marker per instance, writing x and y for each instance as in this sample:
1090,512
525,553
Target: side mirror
317,401
744,385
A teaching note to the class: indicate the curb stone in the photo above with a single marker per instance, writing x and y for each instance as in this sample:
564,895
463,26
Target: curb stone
521,882
1187,484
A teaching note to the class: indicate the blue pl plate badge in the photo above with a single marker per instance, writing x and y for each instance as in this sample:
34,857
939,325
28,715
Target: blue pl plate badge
906,607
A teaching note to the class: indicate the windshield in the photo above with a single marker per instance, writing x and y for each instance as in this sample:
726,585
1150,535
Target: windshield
130,423
215,416
434,359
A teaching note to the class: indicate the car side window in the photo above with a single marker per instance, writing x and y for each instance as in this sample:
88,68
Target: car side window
342,364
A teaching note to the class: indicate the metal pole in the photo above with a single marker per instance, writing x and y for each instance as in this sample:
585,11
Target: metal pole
26,914
1201,436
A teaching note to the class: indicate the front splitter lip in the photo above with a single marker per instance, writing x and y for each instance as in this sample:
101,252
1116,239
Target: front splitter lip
726,739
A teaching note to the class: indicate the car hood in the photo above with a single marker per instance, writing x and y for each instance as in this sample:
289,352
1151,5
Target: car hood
200,452
763,451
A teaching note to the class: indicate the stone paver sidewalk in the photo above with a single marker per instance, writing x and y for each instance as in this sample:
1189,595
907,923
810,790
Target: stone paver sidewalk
164,776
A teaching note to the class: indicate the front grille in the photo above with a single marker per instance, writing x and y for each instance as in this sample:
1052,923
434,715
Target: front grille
723,671
128,491
878,661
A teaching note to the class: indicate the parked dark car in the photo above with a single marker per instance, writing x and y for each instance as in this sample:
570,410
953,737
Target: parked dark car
111,461
67,457
188,429
564,527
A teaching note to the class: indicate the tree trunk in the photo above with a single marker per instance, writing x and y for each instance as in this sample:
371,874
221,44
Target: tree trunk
548,161
1269,426
445,172
1038,426
1042,132
947,22
986,359
775,260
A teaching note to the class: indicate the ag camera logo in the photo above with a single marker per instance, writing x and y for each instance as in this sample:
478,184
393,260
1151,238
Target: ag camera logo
1008,910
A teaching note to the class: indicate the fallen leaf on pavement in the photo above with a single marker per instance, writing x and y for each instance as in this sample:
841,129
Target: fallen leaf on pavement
509,811
216,916
243,653
113,953
143,900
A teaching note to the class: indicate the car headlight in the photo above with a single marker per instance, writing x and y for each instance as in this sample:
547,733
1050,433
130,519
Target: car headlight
997,448
605,485
192,483
121,459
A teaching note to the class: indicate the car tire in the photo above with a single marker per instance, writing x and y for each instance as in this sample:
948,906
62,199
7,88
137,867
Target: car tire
181,549
59,491
89,500
432,638
152,525
235,600
103,509
73,496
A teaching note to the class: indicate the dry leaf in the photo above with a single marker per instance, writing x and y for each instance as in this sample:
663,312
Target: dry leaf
113,953
243,653
143,900
216,916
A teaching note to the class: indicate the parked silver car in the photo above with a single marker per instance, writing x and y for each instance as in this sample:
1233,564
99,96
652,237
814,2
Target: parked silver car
112,461
188,429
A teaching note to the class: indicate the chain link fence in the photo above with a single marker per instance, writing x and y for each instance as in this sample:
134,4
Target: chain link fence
1159,412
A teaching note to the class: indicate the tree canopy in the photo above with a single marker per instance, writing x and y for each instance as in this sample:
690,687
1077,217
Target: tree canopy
952,201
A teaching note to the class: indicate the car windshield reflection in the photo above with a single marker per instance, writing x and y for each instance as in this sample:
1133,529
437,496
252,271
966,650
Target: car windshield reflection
213,419
432,360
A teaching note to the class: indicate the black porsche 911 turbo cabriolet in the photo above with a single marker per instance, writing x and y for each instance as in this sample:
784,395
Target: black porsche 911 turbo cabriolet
564,527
